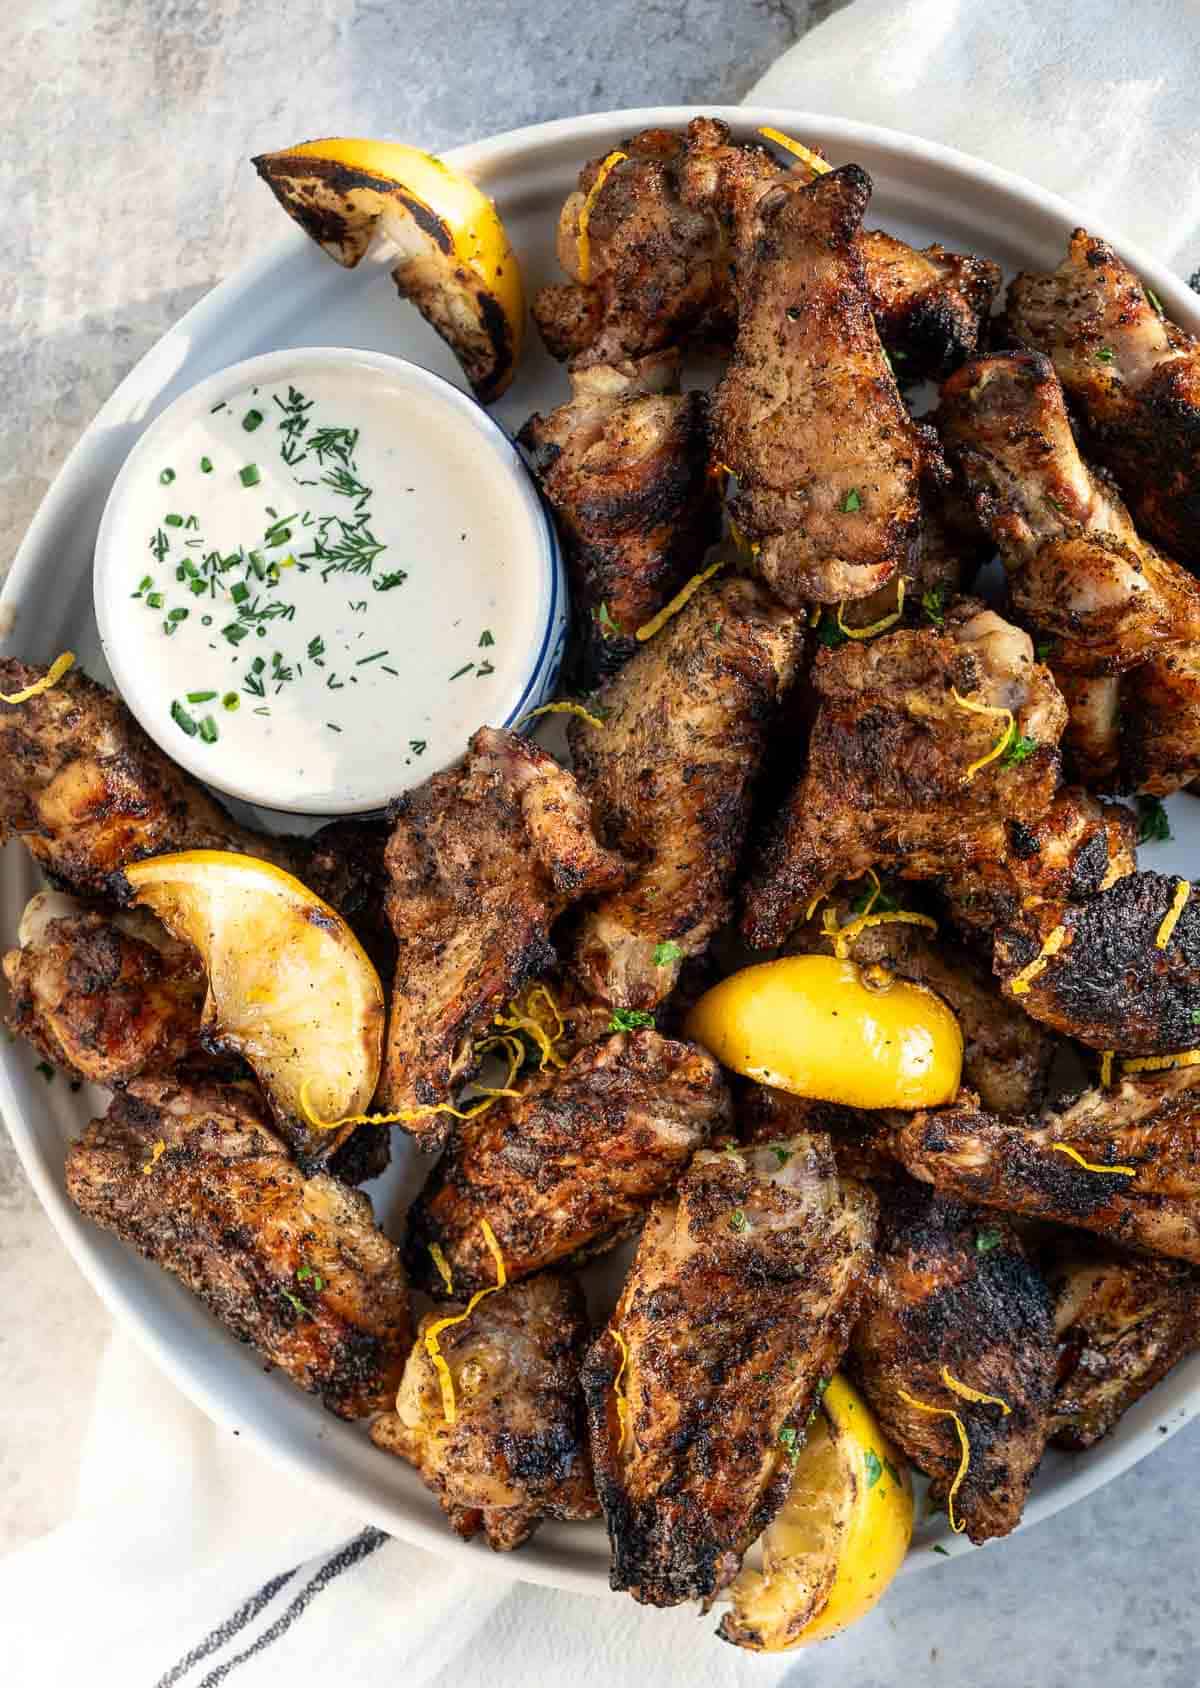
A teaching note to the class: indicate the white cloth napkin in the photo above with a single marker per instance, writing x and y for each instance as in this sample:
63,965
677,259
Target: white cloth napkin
189,1561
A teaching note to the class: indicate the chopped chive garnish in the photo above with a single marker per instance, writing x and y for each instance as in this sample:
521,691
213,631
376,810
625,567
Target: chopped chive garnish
374,657
251,420
167,476
156,600
219,406
417,746
144,585
208,730
235,632
250,475
206,621
177,615
485,638
231,701
182,719
333,726
201,697
397,577
206,465
258,563
485,668
46,1070
173,520
459,672
239,592
198,587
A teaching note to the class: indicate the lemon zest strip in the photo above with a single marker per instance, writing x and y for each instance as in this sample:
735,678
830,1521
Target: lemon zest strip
583,245
405,1116
1021,981
688,590
958,1525
443,1266
619,1396
1001,744
158,1149
1183,891
50,678
1160,1063
446,1381
1066,1149
976,1395
806,156
1106,1061
521,1017
880,626
844,936
562,709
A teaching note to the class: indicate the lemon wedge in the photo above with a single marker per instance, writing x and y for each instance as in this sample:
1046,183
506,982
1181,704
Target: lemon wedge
456,263
813,1025
290,988
838,1540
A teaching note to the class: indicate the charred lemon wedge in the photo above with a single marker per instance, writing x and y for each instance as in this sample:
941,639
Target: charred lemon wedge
838,1540
290,988
456,263
818,1026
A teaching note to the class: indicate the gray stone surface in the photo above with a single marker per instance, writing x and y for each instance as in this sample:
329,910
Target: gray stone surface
128,123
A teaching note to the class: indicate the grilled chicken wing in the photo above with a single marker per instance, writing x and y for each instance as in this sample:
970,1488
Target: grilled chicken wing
191,1177
1134,376
1122,1322
569,1166
930,305
517,1450
859,1138
482,860
740,1300
88,793
344,864
808,416
1099,973
1005,1058
953,1295
671,775
105,997
1079,573
624,465
898,770
1160,723
1150,1123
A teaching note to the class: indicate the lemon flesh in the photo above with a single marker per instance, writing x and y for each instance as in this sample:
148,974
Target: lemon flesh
290,988
456,262
838,1540
811,1025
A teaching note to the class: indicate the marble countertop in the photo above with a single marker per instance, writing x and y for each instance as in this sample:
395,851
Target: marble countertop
127,199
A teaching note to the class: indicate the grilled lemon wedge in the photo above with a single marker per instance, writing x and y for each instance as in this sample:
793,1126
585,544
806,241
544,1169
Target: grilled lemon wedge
838,1540
815,1026
290,988
456,263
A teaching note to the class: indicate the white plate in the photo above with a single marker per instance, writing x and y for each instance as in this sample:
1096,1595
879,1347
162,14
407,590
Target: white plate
292,296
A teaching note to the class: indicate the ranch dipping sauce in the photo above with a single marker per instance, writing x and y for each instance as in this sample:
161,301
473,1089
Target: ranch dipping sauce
313,589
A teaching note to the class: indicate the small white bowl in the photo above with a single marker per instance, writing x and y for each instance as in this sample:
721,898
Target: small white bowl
400,677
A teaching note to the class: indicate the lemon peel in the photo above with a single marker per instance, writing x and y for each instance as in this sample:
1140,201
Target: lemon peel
445,1380
815,162
583,245
50,678
1020,982
880,626
1001,744
522,1017
621,1399
562,709
843,936
1183,891
404,1116
1106,1061
686,592
958,1525
1161,1063
975,1395
156,1152
1089,1166
443,1266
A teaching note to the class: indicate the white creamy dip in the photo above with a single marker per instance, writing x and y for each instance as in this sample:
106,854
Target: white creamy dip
314,588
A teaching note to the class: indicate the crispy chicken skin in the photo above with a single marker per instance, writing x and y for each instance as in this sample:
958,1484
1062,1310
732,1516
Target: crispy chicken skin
624,466
1006,1059
517,1451
191,1177
1122,1321
808,416
482,860
886,779
1109,985
739,1302
671,776
88,793
1109,603
344,864
1160,723
570,1166
103,996
1150,1122
661,269
952,1290
858,1137
1133,375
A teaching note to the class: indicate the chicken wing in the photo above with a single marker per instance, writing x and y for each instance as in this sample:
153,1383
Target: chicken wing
516,1451
191,1177
739,1302
953,1299
1149,1125
88,793
1134,375
569,1166
929,305
671,774
624,466
900,770
1122,1321
808,416
482,860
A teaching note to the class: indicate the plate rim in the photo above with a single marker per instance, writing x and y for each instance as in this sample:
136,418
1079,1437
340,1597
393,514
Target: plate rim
536,1563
